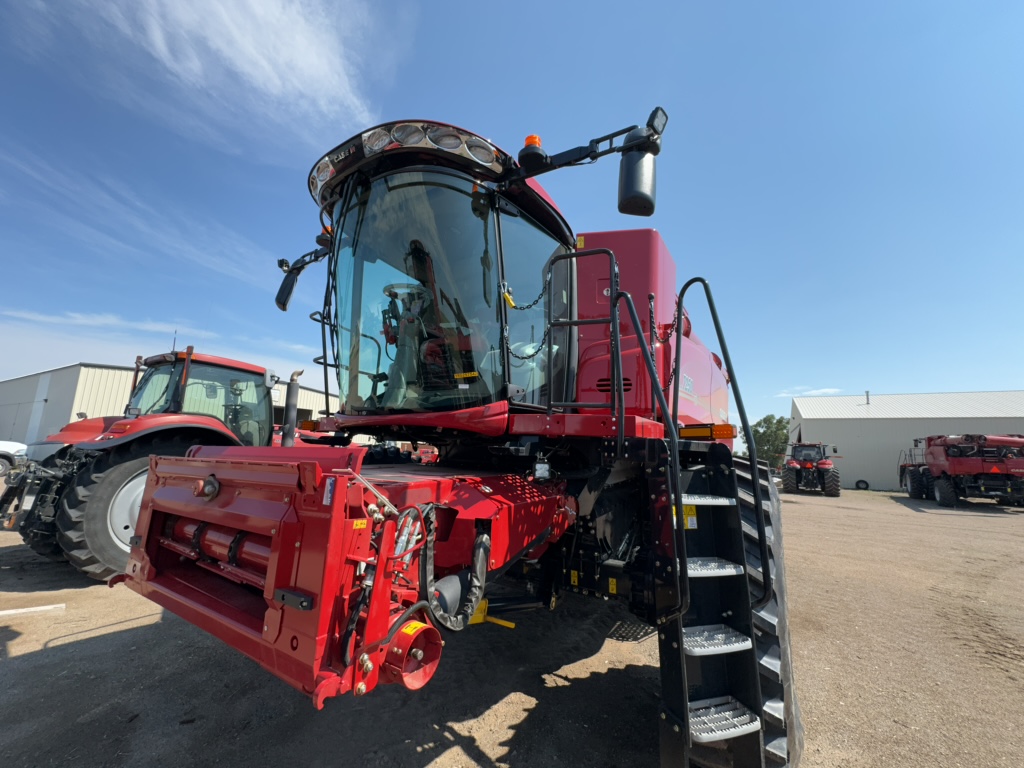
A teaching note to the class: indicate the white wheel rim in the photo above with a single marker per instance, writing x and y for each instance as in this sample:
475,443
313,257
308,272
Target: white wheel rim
123,513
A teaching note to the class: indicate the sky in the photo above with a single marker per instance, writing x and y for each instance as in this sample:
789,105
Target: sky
848,176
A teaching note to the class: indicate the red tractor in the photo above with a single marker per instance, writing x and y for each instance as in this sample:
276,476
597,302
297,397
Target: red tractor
808,468
950,467
582,444
78,498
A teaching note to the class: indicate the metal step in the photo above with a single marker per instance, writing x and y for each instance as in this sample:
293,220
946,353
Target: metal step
710,567
704,500
720,719
714,639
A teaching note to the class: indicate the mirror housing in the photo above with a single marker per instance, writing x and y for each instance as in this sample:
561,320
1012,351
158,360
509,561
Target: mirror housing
270,379
636,174
284,293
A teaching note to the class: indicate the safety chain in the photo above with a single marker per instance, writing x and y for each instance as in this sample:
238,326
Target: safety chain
671,330
507,293
536,352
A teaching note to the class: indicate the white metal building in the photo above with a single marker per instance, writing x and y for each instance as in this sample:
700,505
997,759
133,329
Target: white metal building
34,406
871,430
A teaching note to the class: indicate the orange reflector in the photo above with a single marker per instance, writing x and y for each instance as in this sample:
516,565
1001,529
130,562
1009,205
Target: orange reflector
708,432
309,426
533,140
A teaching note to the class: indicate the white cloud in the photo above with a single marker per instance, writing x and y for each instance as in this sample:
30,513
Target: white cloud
113,220
35,342
214,69
110,321
808,392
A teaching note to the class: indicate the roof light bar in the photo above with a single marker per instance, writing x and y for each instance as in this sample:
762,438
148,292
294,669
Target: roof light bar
421,136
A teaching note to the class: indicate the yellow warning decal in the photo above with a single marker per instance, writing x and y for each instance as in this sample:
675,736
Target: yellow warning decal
358,524
690,517
413,627
579,241
574,578
613,587
467,375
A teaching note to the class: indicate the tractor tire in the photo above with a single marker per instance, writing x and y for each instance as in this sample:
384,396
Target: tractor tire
927,483
945,493
831,485
99,510
780,710
789,480
913,483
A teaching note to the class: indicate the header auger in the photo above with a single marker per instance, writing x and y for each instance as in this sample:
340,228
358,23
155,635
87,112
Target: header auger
583,446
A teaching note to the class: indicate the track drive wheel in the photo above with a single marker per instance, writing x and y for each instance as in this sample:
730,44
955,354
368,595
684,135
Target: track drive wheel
98,512
913,483
788,480
832,486
945,493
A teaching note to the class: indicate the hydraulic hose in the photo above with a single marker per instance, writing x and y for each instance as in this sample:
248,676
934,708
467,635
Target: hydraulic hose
477,577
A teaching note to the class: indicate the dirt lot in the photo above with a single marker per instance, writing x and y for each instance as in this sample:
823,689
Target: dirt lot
908,632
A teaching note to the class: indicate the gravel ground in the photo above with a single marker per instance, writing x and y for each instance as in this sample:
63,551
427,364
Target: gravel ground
907,628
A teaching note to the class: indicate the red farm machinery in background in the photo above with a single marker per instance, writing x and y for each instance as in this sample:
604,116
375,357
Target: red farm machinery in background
78,497
582,446
809,468
950,467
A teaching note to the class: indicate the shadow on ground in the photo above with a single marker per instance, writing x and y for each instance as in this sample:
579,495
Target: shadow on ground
22,570
170,695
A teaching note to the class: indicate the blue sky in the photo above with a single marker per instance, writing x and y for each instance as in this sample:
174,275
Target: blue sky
849,177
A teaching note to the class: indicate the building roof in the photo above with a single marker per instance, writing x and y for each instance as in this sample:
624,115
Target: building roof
971,405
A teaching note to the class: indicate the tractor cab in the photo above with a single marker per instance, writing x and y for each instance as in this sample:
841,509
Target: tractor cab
808,453
202,385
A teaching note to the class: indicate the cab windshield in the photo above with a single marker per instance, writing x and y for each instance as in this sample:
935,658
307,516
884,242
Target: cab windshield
419,310
240,399
807,453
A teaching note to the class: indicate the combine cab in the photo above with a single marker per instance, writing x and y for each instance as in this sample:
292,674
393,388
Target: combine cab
808,468
581,446
950,467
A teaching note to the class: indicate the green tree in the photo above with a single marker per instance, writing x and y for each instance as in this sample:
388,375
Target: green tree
771,436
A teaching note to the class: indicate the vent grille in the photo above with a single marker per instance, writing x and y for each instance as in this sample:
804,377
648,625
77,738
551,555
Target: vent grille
605,385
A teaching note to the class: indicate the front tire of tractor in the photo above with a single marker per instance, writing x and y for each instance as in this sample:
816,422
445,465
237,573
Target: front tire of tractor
913,483
98,512
780,711
945,493
788,480
832,486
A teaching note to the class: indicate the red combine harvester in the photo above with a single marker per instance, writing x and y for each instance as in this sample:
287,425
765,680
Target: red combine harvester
78,498
582,446
950,467
808,468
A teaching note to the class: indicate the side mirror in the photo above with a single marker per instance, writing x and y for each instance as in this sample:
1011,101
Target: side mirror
835,449
270,379
636,174
284,293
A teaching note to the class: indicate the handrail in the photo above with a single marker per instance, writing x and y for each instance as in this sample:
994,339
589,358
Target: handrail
762,535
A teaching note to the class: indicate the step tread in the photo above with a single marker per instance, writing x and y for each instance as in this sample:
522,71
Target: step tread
706,500
719,719
708,567
714,639
777,749
775,711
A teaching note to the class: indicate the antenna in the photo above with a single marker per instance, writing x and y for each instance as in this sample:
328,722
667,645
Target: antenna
174,341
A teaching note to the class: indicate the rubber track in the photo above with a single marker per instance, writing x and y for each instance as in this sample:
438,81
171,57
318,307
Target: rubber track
783,730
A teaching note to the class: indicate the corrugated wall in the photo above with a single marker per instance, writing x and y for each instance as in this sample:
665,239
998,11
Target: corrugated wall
102,391
32,407
870,448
